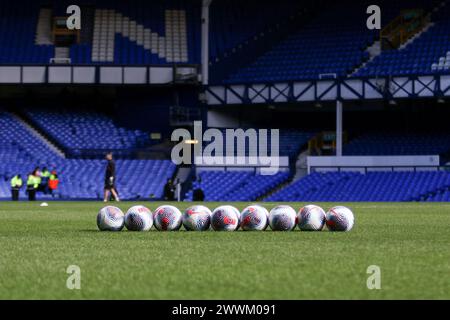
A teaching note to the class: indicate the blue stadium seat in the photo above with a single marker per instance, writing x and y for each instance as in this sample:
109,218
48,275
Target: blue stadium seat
21,151
373,186
18,23
236,185
425,55
398,144
80,132
334,42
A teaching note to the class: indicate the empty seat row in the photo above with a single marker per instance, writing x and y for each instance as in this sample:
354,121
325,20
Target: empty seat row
372,186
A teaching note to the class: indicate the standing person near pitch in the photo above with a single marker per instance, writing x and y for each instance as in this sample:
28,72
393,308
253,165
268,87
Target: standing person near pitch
53,182
45,175
110,179
33,182
16,185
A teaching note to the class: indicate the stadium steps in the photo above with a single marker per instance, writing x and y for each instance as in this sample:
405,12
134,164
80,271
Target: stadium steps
374,50
43,29
304,194
183,174
301,168
38,134
300,172
62,53
275,190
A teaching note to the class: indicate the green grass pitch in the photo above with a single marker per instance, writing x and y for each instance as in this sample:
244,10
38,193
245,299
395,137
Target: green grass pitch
409,242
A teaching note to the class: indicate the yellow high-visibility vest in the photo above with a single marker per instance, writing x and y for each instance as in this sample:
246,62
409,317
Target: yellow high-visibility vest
16,182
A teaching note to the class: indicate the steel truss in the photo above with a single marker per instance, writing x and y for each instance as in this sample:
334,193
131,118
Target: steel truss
402,87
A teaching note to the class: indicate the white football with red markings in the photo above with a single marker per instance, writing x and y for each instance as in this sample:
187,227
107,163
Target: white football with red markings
110,219
138,218
254,217
340,218
197,218
167,218
225,218
282,218
311,218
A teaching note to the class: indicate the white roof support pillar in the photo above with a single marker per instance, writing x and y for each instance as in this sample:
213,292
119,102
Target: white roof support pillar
205,41
339,128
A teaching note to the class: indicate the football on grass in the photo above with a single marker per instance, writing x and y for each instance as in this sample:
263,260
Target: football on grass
167,218
110,219
138,218
197,218
282,218
254,217
225,218
340,219
311,218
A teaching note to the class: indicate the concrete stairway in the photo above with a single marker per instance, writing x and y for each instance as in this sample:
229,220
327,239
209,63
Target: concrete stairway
39,135
43,29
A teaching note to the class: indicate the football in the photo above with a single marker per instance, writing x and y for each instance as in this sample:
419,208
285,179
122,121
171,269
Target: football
254,217
282,218
138,218
167,218
197,218
311,218
340,218
225,218
110,219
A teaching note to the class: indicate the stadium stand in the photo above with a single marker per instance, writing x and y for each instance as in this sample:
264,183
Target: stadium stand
83,179
119,32
21,151
19,143
372,186
249,186
235,22
392,143
307,54
335,42
87,133
236,186
425,55
17,36
299,188
291,142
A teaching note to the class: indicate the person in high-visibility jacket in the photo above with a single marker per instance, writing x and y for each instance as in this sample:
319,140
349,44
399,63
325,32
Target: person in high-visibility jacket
32,185
38,179
53,182
45,176
16,185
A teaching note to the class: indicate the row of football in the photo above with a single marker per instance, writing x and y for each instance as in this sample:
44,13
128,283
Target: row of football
226,218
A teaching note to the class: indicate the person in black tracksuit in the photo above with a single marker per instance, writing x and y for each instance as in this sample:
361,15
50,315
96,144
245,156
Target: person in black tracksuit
110,179
169,194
